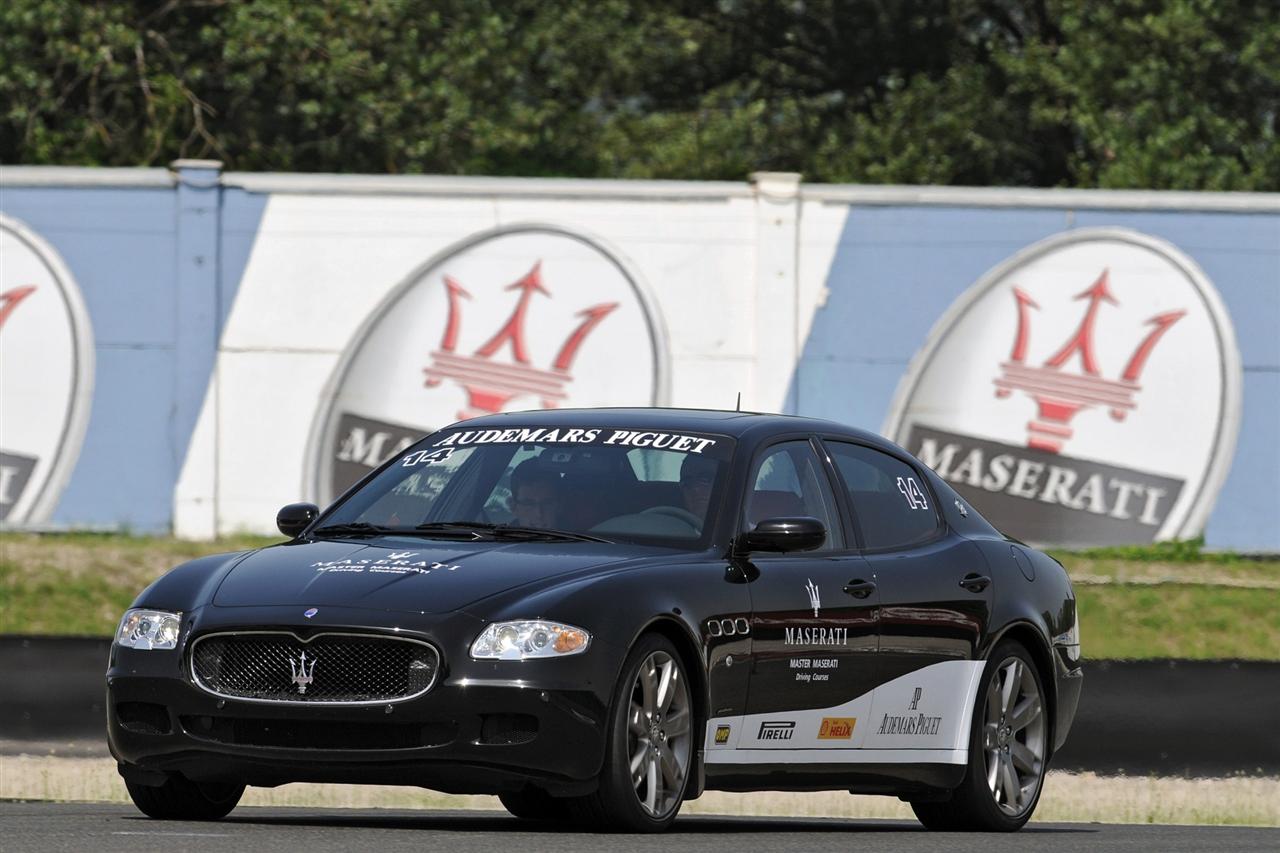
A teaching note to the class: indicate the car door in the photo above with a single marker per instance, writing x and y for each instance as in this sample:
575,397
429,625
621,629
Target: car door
813,614
935,598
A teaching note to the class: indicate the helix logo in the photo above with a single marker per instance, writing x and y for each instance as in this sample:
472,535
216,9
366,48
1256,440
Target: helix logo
1117,337
532,316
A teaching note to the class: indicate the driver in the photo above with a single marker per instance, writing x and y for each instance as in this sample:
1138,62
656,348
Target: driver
535,495
697,473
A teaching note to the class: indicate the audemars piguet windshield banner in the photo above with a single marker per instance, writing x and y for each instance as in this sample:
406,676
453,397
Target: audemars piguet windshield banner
516,318
1085,392
46,375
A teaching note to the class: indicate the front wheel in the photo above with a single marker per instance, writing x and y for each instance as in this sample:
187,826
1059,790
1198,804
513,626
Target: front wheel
649,747
181,799
1007,749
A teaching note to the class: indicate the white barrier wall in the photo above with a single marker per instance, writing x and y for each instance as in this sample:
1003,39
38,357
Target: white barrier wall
718,260
324,320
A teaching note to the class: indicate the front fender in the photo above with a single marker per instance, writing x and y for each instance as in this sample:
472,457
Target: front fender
191,584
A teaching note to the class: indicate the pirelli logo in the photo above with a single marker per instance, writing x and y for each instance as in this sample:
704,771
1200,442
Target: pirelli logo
837,728
776,730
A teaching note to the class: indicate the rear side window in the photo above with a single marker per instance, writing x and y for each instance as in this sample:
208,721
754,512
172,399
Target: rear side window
893,506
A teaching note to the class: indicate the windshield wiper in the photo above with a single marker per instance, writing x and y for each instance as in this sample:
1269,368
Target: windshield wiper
506,531
354,528
515,530
469,529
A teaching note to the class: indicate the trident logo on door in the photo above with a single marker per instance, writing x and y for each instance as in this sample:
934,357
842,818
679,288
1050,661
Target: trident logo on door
814,600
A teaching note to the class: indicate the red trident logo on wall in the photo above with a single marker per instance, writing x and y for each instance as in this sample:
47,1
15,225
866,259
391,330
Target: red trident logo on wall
1061,395
10,299
491,384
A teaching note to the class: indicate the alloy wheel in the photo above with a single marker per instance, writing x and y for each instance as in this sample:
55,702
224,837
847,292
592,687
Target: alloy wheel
1013,736
659,734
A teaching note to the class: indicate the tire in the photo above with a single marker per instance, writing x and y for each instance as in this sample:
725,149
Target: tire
181,799
534,804
652,726
1009,747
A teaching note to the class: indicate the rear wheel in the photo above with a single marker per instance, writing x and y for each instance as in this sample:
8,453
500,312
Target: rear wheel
650,744
181,799
1007,748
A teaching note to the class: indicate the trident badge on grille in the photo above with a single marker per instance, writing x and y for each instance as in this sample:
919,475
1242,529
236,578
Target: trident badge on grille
301,672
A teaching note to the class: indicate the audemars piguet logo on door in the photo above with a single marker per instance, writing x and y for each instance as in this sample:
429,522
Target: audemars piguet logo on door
46,375
516,318
1085,392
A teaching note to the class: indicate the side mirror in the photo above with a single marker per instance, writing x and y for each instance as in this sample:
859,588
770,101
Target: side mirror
786,534
292,519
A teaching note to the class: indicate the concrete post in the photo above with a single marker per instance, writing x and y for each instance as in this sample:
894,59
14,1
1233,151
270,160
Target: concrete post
776,329
199,201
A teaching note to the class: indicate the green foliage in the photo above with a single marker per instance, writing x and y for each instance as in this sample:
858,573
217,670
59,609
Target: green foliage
1178,94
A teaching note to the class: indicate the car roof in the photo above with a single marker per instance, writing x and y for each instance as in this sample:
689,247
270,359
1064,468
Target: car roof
738,425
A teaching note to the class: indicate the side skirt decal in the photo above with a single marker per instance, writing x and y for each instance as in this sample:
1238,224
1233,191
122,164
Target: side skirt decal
837,756
921,717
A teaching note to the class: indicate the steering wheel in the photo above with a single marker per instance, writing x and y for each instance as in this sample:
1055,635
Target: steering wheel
678,513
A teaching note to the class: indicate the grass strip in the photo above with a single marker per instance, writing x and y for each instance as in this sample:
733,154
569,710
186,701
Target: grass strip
1195,622
80,583
1134,603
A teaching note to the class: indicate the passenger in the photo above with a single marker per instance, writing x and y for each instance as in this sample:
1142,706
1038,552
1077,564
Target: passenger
697,473
535,495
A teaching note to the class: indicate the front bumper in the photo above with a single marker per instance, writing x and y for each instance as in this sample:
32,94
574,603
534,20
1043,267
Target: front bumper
485,727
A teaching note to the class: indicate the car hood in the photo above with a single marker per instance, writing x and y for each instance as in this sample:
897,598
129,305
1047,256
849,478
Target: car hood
408,575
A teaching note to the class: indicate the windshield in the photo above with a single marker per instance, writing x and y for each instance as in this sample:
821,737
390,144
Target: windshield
613,484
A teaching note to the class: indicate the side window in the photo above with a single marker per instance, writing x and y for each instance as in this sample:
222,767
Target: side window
789,480
893,507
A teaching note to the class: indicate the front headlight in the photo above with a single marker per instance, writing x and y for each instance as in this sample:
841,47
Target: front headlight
533,638
149,629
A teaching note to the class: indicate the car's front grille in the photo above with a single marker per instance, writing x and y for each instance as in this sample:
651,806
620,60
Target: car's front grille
326,668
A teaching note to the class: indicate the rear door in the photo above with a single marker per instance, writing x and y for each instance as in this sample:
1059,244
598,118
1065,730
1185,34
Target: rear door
935,598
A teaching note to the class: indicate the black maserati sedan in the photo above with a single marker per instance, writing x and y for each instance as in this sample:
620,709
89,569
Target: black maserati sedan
598,614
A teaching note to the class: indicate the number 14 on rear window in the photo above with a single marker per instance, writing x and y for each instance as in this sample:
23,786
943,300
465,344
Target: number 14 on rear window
911,491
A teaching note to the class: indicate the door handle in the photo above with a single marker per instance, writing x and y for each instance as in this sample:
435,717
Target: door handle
975,582
859,588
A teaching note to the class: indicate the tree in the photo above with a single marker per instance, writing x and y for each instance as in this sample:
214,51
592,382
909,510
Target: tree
1139,93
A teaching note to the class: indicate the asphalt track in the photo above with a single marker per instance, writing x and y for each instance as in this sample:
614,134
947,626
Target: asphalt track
47,827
